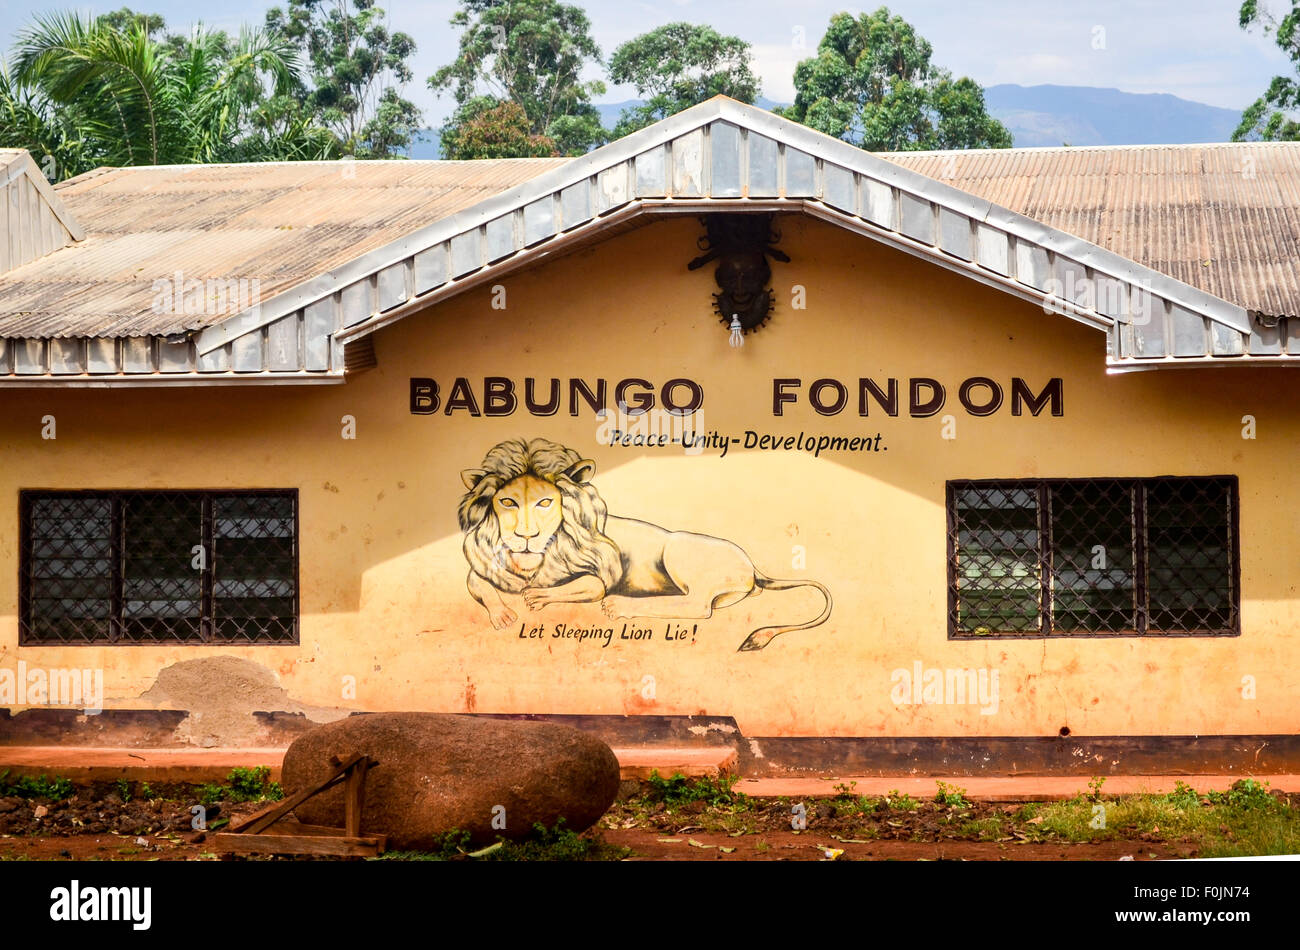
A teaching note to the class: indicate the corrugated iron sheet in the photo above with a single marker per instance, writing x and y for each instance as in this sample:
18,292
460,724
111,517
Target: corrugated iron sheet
1223,218
31,217
278,224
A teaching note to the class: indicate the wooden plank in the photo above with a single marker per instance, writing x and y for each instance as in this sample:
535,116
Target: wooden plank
266,819
260,821
297,844
292,826
355,798
262,812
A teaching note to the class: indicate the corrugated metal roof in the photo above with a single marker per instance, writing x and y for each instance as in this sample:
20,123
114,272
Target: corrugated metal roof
723,155
341,250
279,224
33,221
1224,218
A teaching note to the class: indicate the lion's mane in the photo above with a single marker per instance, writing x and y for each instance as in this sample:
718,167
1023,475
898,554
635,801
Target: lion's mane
579,545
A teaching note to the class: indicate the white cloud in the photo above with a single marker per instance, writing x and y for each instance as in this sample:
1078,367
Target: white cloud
1190,48
775,63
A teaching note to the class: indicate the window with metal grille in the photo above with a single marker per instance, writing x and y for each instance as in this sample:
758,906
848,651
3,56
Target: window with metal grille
1093,557
158,566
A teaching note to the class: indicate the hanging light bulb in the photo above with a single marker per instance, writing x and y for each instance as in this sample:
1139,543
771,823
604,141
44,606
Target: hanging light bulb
737,334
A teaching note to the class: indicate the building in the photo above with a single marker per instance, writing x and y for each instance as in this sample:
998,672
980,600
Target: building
1001,478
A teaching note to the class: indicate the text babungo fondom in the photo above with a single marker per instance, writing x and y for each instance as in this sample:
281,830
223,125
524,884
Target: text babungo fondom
917,396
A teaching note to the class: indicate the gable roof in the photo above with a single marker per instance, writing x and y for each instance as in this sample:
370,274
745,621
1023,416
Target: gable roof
718,156
34,220
1222,217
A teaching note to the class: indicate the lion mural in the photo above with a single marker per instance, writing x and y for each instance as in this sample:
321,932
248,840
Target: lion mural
535,525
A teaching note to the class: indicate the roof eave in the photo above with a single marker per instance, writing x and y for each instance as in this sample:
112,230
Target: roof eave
720,155
787,133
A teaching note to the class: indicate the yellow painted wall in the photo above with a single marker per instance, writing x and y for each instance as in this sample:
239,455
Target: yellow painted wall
383,576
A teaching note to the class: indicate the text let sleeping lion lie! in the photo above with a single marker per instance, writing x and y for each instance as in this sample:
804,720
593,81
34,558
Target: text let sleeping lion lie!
670,633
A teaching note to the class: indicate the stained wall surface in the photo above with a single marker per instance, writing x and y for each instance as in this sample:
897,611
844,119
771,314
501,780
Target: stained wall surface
383,574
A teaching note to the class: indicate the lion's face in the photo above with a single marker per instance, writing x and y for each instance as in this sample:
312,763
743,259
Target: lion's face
529,512
532,518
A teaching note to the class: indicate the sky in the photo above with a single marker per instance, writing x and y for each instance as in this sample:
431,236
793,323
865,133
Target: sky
1189,48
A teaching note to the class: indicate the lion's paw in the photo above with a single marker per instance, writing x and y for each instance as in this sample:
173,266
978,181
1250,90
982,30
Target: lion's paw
503,616
616,607
535,598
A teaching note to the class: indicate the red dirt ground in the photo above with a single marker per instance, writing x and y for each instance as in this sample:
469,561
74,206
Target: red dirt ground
96,824
647,845
807,846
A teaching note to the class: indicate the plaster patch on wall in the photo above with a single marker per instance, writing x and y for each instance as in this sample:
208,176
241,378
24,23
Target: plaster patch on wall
723,727
221,695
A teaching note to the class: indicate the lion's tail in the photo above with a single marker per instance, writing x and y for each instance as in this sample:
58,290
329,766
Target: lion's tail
763,635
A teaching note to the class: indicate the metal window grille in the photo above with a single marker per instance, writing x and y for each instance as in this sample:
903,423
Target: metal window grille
1093,557
158,567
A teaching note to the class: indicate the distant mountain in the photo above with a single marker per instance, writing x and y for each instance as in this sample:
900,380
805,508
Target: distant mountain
428,147
610,111
1049,115
1085,115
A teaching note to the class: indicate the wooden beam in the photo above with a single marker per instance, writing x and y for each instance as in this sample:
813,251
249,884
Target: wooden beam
291,826
264,819
299,844
355,797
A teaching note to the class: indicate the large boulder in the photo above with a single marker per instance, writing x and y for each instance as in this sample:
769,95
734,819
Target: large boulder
441,772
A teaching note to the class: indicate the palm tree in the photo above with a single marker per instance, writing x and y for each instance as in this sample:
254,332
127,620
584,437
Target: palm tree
88,93
228,111
25,123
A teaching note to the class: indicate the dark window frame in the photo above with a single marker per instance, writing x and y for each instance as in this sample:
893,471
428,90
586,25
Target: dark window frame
1140,528
208,617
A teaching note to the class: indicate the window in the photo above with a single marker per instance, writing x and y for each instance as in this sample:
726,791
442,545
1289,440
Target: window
1093,557
158,566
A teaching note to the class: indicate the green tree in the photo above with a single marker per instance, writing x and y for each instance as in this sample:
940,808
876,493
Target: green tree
357,68
27,121
1273,116
488,128
872,83
677,66
531,53
85,91
126,19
